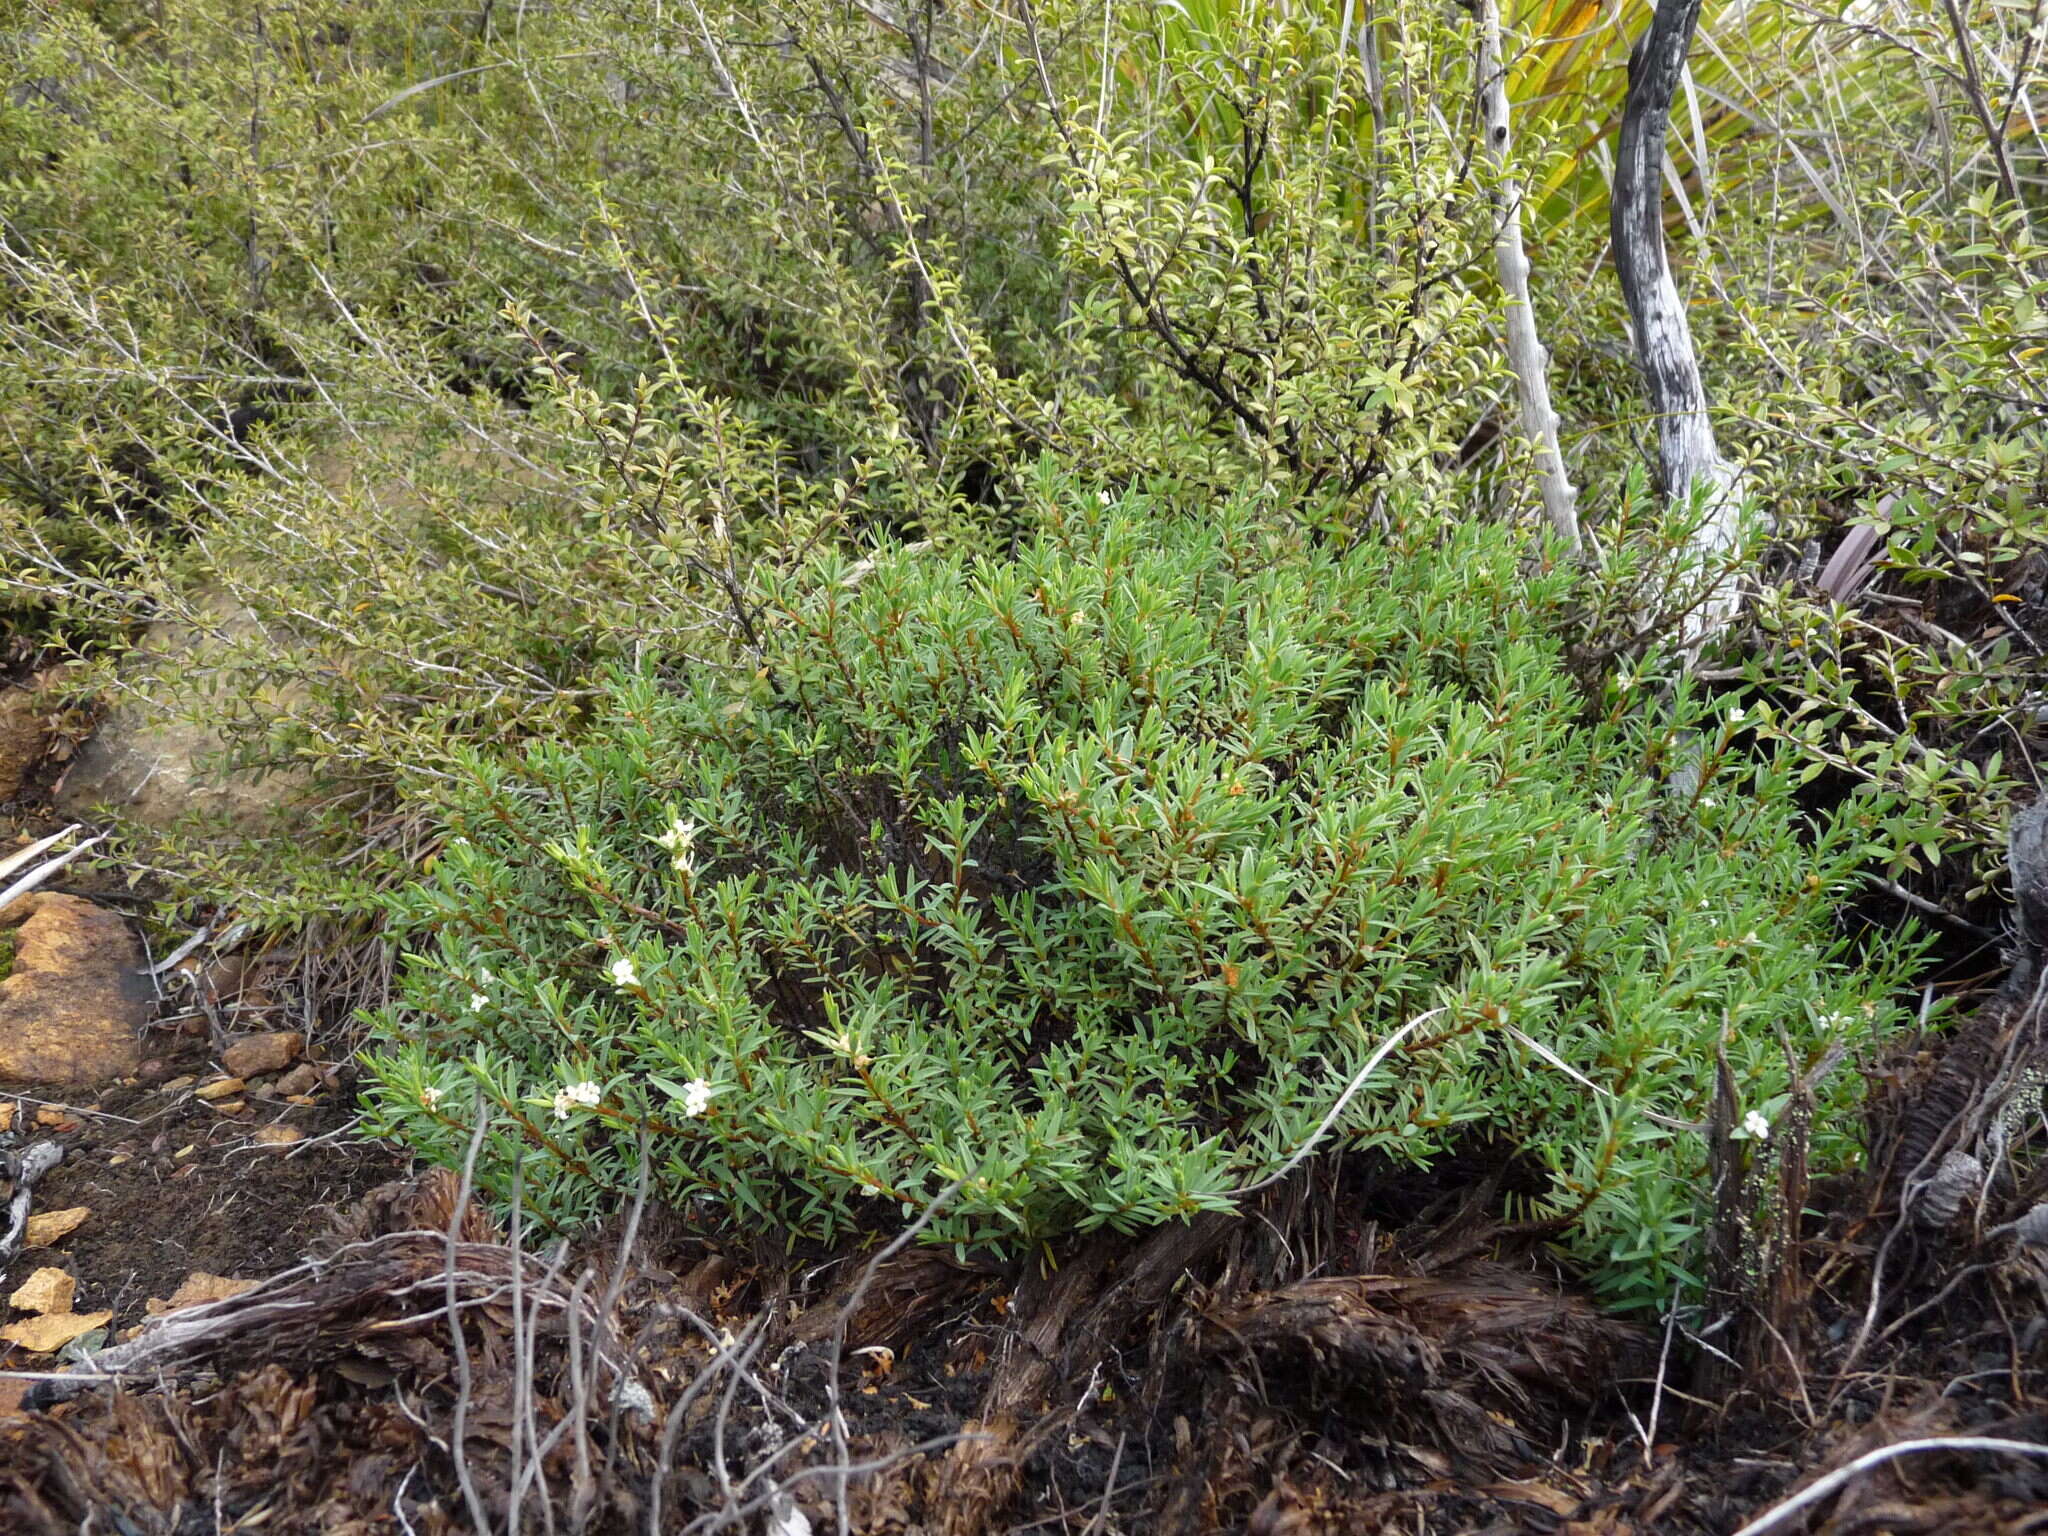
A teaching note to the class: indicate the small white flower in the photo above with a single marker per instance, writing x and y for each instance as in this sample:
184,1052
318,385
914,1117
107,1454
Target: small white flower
696,1097
1749,938
483,976
477,1001
431,1097
681,842
1755,1126
1708,802
1737,715
624,977
584,1095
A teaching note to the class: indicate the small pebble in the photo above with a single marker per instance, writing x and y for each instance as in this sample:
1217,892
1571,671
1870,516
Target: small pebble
263,1053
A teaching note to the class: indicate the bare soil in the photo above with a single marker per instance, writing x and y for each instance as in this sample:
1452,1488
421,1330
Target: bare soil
174,1186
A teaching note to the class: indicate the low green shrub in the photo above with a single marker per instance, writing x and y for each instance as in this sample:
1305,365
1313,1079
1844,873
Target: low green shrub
1093,874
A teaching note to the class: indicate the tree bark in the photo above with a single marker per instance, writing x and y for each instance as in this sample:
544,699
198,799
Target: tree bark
1526,355
1695,475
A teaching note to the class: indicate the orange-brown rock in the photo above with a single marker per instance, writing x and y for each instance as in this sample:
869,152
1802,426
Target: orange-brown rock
51,1332
46,1228
253,1055
73,1008
49,1289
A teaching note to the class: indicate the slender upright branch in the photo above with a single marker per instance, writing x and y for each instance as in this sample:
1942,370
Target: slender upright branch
1973,88
1695,474
1526,355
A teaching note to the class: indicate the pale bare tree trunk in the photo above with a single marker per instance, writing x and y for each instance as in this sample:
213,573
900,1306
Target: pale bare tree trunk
1695,474
1526,355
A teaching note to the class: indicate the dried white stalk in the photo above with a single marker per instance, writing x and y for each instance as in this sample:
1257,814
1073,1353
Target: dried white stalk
1526,355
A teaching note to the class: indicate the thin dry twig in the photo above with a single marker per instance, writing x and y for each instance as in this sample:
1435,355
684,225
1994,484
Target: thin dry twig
464,1383
847,1312
1841,1477
1344,1098
671,1432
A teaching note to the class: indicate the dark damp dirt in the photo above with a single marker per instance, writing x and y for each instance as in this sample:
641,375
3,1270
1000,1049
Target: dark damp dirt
175,1179
175,1186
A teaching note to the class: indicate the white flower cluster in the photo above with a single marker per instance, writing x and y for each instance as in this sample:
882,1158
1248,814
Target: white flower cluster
1755,1126
584,1095
696,1097
681,842
624,976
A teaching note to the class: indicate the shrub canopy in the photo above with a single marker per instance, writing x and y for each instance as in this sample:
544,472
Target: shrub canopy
1093,873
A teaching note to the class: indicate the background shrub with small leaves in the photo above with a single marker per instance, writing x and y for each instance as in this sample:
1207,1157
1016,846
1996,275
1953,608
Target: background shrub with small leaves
1092,874
272,286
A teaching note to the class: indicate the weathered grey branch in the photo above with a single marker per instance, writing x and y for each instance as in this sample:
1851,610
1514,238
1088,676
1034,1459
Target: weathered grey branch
24,1171
1526,356
1973,89
1695,474
2027,857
